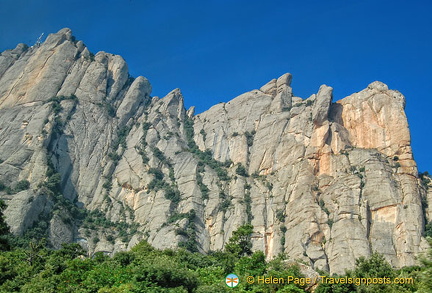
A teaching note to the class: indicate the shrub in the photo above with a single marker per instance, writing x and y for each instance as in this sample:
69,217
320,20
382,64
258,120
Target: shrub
249,138
241,170
157,173
22,185
280,215
107,185
428,229
173,195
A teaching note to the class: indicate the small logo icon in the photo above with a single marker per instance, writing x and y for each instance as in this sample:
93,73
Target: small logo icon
232,280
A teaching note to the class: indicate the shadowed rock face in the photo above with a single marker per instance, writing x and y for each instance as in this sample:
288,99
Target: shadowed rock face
324,182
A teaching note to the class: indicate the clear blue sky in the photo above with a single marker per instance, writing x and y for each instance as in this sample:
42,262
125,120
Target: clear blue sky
216,50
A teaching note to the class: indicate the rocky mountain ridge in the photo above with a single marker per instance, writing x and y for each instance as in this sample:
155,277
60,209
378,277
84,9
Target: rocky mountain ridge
323,182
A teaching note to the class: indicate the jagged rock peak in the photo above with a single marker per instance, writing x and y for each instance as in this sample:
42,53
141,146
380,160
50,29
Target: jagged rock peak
274,86
378,85
323,182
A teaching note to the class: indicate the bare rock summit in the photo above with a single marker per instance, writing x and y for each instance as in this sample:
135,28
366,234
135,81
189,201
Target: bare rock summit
88,155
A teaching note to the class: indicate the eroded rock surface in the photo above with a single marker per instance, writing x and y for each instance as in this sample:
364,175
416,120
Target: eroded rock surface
324,182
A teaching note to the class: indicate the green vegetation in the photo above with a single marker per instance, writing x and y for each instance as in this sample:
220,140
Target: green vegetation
143,269
241,170
96,221
204,134
189,232
225,202
4,228
203,188
249,137
428,229
22,185
122,134
248,203
56,108
376,267
283,230
205,157
425,179
19,186
280,215
35,268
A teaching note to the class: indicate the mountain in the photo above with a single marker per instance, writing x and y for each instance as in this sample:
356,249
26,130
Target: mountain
89,156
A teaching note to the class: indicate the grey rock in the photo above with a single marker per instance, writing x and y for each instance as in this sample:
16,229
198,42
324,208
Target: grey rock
339,178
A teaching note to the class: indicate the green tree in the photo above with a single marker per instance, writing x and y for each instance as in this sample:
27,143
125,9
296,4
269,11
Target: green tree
4,229
426,273
240,242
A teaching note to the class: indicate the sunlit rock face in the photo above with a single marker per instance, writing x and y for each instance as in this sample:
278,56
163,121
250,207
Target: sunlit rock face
323,182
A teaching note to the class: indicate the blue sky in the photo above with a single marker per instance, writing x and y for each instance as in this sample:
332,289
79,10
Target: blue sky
216,50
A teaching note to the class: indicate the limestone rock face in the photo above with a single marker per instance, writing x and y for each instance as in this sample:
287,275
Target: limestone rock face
324,182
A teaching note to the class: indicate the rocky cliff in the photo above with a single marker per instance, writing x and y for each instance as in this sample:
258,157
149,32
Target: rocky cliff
323,182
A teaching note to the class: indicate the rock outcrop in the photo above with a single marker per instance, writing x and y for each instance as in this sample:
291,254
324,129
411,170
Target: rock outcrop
323,182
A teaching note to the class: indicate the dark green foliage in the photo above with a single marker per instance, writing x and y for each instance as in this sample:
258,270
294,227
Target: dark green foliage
249,137
241,170
22,185
96,220
374,267
172,194
225,202
240,242
53,182
58,124
189,232
111,111
160,155
248,203
425,179
280,215
309,102
283,229
428,229
56,108
2,186
157,173
122,134
4,228
145,269
203,188
203,133
323,207
269,186
205,157
107,185
110,238
146,126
